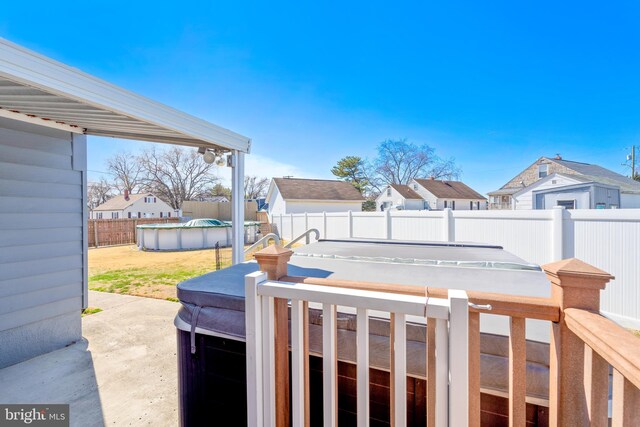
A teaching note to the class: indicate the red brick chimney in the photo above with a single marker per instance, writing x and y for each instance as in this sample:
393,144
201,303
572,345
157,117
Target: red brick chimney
126,194
558,157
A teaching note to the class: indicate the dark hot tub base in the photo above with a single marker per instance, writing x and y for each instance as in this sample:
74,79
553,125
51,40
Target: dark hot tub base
212,390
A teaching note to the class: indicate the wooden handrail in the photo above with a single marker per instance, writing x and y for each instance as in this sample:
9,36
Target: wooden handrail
506,305
613,343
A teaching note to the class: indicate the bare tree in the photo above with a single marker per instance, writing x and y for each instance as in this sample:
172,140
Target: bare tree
127,172
98,193
399,161
176,174
254,187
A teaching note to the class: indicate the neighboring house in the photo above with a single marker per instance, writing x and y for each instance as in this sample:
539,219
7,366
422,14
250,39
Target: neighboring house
402,197
213,199
431,194
296,195
557,182
570,191
143,205
454,195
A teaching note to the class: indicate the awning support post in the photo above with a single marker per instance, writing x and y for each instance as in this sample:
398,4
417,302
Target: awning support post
237,207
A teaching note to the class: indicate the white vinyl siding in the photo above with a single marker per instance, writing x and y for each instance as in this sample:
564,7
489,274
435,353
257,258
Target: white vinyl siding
42,262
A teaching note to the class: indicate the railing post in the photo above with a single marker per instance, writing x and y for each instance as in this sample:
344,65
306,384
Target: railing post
273,261
574,284
253,317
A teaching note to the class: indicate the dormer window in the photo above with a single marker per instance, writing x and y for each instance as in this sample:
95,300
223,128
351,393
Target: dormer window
543,170
415,186
389,191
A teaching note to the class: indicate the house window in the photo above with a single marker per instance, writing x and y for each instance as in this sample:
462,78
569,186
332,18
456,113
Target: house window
478,204
389,191
453,205
445,204
543,170
139,215
425,205
128,214
114,215
415,186
567,204
154,200
99,215
470,206
168,214
160,214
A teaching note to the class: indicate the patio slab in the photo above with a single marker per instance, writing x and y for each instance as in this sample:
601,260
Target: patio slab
124,371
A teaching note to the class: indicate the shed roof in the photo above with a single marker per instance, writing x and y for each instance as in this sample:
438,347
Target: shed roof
449,189
406,192
317,189
39,90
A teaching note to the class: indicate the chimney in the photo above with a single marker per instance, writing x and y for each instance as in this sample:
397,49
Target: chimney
558,157
432,178
126,194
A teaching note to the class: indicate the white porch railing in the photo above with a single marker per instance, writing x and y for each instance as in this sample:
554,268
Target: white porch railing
451,350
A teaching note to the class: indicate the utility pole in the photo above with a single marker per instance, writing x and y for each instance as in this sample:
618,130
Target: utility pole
632,159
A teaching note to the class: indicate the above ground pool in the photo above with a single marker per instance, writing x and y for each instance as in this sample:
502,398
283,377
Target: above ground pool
195,234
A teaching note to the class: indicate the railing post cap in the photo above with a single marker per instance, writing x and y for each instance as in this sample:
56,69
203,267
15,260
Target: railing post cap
273,251
572,272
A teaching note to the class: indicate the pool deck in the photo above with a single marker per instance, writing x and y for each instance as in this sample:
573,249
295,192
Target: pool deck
122,373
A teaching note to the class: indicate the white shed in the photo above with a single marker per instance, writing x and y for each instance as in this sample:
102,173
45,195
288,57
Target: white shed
46,111
296,195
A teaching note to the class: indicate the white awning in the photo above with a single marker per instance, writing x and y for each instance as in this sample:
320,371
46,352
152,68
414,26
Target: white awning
39,90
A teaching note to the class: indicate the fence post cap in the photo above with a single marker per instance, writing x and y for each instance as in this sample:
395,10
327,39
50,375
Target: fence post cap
273,251
576,284
273,261
574,268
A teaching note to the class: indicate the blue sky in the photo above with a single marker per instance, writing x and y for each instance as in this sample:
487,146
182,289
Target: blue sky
494,85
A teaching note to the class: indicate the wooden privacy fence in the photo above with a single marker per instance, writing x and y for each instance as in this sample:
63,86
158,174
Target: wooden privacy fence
108,232
584,347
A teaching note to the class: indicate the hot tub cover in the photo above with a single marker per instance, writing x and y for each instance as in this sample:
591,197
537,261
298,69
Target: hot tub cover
214,302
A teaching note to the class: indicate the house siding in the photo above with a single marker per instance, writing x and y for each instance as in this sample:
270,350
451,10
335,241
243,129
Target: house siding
42,239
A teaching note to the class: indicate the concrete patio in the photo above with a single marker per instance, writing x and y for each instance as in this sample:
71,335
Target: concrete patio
122,373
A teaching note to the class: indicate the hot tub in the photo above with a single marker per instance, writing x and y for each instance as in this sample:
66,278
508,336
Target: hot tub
211,329
195,234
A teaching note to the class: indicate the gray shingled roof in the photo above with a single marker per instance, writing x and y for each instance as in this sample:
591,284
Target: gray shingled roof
601,175
317,189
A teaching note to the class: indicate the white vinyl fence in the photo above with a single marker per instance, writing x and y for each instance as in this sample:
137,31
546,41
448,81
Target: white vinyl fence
607,239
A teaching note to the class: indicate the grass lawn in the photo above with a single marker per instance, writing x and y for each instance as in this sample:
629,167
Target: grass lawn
127,270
